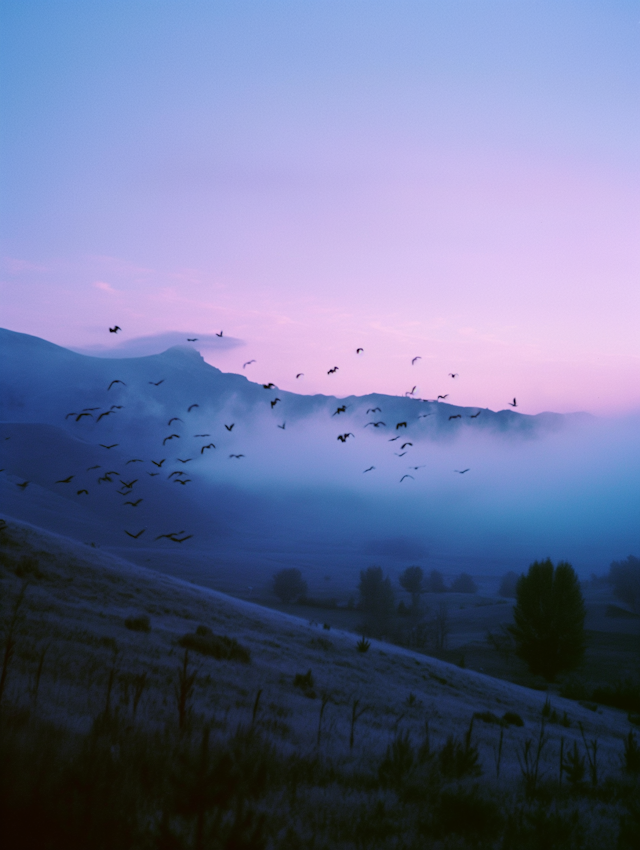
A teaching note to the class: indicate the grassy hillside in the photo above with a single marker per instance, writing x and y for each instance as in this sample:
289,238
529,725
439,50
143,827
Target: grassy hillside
140,711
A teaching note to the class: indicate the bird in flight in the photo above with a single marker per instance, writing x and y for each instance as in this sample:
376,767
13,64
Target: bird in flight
270,385
446,395
171,534
333,370
377,424
457,416
116,407
135,536
174,419
171,437
82,491
453,374
186,460
274,402
220,334
116,382
341,409
374,410
128,485
158,463
153,474
210,446
402,454
202,435
115,329
236,456
176,472
230,427
181,480
23,485
65,480
393,439
181,539
300,375
134,504
91,408
70,414
89,468
134,460
411,392
157,383
192,339
475,415
513,403
414,360
105,477
404,445
462,471
191,406
112,446
282,426
248,363
368,469
106,413
80,415
407,476
359,350
424,415
401,425
343,437
422,465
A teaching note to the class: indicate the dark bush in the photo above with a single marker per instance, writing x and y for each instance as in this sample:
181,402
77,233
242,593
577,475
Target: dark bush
363,644
487,717
631,756
468,813
304,681
543,828
624,694
138,623
464,584
398,762
289,585
459,758
217,646
512,718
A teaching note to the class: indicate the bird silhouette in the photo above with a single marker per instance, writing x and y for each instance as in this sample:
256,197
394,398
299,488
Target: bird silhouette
192,339
210,446
513,403
274,402
238,456
368,469
134,504
462,471
475,415
402,454
70,414
116,382
374,410
453,374
65,480
424,415
105,478
176,472
22,486
230,427
174,419
134,460
80,415
333,370
171,534
300,375
171,437
157,383
152,474
158,463
393,439
181,480
202,435
359,350
341,409
115,329
411,392
112,446
79,492
135,536
185,460
404,445
89,468
456,416
377,424
282,426
220,334
407,476
116,407
422,465
248,363
343,437
181,539
414,360
401,425
269,386
106,413
91,408
190,408
128,485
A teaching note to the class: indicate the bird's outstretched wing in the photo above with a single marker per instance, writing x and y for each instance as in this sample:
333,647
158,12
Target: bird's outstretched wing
368,469
414,359
135,536
157,383
248,363
230,427
190,408
406,476
462,471
112,446
116,382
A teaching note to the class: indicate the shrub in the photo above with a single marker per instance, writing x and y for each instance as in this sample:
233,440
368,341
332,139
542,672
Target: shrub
573,766
549,619
411,580
467,813
512,718
138,623
487,717
363,644
625,694
217,646
464,584
304,681
398,761
288,584
459,758
631,754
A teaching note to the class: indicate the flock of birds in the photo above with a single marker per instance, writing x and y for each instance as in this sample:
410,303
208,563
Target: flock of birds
179,476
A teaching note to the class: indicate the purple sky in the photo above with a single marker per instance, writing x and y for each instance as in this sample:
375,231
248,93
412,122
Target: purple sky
455,180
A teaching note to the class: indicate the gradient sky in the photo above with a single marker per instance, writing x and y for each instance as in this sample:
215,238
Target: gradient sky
457,180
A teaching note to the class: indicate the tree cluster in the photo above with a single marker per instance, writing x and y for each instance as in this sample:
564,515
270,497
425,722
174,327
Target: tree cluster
624,576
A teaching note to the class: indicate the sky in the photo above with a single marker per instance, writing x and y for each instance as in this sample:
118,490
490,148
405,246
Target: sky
451,180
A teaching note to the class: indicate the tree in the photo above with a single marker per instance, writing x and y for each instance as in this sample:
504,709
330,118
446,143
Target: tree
548,617
435,582
625,578
376,599
411,580
464,584
508,585
288,584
